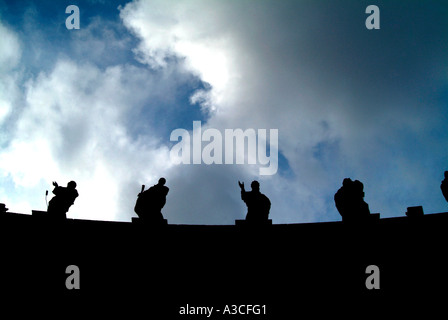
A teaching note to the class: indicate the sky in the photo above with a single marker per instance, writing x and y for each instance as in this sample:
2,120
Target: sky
98,104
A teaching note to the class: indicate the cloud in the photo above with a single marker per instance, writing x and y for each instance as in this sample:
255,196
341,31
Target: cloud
221,55
10,50
10,53
73,127
166,30
347,102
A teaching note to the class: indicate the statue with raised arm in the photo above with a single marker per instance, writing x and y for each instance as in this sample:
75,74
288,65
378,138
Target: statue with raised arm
258,205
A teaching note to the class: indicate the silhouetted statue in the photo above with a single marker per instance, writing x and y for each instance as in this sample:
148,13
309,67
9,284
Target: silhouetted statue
349,201
444,186
258,205
63,199
150,202
3,208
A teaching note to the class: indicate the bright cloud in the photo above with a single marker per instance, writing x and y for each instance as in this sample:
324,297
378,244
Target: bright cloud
73,127
10,52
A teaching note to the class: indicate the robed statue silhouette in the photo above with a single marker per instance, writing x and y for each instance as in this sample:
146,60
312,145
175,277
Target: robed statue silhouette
258,205
64,197
150,202
349,201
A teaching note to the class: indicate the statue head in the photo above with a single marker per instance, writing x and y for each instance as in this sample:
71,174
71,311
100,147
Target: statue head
255,185
71,185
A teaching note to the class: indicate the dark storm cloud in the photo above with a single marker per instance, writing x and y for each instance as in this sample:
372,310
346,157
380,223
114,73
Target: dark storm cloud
348,101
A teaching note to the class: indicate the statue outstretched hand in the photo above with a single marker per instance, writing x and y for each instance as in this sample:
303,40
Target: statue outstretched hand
55,183
241,185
